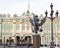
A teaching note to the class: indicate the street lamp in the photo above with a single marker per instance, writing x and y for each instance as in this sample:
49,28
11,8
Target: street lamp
52,18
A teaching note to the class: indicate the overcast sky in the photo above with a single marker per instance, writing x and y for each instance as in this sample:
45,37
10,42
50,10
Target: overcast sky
20,6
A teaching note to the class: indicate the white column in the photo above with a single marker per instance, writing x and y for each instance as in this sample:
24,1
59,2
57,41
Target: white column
14,28
20,27
25,28
42,40
14,31
56,40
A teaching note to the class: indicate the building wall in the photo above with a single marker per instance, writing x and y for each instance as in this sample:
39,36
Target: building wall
47,31
21,26
14,26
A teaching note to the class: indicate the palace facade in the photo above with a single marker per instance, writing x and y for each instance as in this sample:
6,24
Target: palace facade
19,27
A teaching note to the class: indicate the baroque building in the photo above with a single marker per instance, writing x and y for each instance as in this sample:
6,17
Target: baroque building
46,37
15,28
19,27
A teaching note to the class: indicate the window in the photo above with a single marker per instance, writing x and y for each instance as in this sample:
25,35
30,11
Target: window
23,27
58,26
17,27
4,27
11,26
8,27
27,27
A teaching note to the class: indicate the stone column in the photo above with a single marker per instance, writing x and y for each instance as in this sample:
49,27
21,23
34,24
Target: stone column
4,41
36,41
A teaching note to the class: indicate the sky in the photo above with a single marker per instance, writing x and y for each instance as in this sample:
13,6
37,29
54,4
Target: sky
20,6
